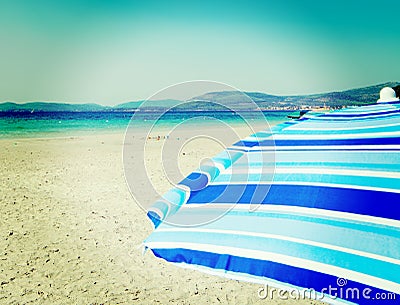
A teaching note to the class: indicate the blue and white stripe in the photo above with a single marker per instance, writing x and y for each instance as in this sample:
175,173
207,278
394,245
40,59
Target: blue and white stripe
312,201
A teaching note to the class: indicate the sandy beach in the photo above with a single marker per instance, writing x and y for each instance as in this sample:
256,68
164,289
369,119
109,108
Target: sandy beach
71,231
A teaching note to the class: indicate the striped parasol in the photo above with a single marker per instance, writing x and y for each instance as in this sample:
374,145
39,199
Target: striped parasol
314,204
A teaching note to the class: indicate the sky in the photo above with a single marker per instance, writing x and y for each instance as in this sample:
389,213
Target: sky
109,52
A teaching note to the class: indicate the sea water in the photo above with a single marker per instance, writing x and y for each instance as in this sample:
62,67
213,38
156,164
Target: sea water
49,124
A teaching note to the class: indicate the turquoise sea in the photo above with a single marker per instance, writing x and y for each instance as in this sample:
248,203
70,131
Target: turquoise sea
51,124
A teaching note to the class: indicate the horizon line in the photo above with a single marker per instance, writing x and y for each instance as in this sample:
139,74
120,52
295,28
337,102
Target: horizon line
143,100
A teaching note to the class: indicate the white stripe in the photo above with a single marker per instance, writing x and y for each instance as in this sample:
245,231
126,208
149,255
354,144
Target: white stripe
162,200
313,212
283,259
357,111
343,118
285,238
317,147
298,154
365,110
219,166
260,169
256,138
331,136
329,127
312,183
324,136
186,189
157,211
373,156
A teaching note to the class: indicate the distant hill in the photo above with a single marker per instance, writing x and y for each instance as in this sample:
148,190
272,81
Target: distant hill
353,97
129,105
149,105
51,107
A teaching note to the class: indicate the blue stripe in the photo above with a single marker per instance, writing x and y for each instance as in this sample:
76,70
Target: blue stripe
355,115
392,103
349,123
155,218
341,259
365,202
306,150
351,119
195,181
266,269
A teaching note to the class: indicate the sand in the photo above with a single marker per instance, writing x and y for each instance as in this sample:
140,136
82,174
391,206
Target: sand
71,231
